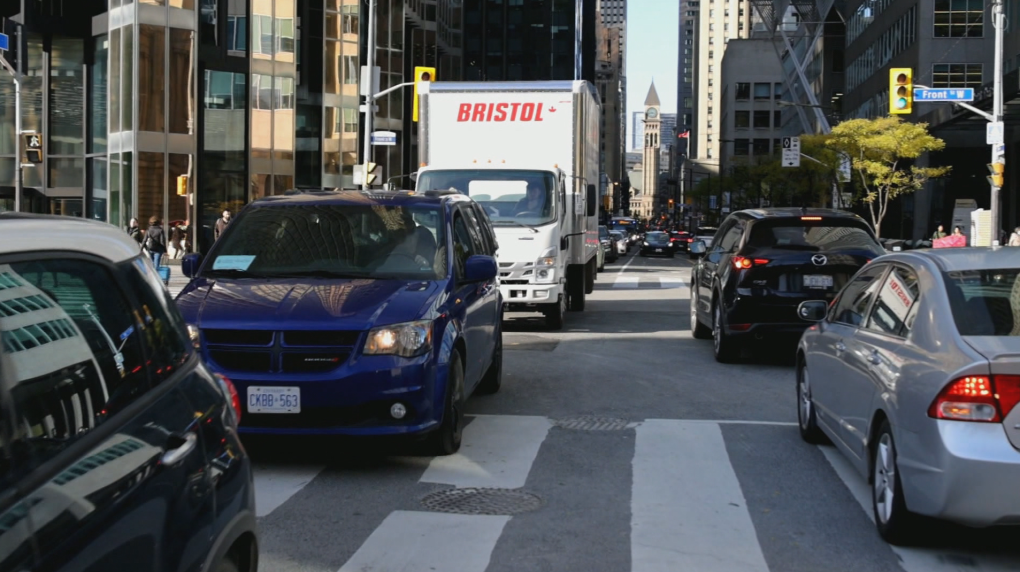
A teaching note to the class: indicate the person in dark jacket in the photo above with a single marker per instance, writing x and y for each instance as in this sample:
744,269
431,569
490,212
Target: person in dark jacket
155,240
221,225
135,231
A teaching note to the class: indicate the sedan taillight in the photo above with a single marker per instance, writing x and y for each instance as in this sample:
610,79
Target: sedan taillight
977,398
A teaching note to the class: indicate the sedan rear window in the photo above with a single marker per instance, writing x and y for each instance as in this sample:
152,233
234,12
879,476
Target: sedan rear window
811,235
985,302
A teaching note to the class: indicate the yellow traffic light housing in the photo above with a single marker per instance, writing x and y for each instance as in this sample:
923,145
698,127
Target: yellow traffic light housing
901,91
420,74
998,171
182,185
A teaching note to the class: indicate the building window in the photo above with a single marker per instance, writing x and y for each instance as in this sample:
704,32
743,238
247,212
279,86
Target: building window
760,147
761,119
237,33
762,91
777,119
741,147
262,34
959,18
743,120
743,91
956,75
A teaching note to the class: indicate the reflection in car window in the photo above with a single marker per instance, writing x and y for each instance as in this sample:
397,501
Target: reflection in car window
509,196
812,236
462,247
895,303
72,346
985,302
163,328
358,241
855,298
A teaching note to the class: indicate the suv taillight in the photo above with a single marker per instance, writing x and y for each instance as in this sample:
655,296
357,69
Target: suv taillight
231,392
743,263
977,398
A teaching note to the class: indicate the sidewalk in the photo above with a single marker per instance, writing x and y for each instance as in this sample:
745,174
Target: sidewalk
177,278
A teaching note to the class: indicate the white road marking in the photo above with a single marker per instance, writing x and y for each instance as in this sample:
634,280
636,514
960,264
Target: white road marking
670,283
421,541
275,485
497,451
687,508
741,422
914,559
626,282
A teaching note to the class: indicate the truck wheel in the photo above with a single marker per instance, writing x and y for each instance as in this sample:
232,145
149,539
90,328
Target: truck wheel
554,314
575,288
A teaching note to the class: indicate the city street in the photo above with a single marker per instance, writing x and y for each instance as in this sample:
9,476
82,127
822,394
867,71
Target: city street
617,444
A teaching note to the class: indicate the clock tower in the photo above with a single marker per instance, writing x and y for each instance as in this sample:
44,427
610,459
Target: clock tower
650,163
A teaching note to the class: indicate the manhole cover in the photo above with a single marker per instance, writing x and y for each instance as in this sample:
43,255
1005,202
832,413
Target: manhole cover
595,423
481,501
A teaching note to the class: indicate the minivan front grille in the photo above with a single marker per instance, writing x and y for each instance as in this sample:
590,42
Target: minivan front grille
292,351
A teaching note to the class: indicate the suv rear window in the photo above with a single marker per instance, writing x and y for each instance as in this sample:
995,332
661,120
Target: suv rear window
985,302
811,235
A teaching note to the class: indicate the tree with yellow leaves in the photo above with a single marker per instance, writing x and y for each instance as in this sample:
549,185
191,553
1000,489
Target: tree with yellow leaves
878,149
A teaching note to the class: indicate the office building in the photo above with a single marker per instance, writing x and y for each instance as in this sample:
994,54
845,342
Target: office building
529,41
686,72
750,122
610,86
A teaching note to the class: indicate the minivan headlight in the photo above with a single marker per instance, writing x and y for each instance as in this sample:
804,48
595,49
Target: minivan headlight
408,339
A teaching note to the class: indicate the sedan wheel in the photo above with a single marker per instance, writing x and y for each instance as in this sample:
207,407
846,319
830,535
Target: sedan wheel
808,422
698,330
725,352
895,523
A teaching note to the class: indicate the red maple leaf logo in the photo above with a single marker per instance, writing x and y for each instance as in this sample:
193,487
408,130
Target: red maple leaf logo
552,110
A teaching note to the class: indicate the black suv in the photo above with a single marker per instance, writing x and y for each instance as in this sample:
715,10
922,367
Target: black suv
764,262
118,447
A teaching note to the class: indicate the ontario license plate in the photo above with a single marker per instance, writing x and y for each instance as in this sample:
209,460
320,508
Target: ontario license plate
658,250
274,400
818,281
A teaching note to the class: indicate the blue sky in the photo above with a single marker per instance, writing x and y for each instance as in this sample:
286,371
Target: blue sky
652,37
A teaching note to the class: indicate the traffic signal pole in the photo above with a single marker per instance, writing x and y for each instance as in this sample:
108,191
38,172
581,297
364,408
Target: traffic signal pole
16,75
370,99
998,150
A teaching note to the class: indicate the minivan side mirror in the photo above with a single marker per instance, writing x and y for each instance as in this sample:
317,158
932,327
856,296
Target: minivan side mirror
813,310
480,268
697,248
190,264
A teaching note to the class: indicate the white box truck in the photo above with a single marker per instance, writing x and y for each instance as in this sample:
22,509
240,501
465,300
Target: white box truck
528,153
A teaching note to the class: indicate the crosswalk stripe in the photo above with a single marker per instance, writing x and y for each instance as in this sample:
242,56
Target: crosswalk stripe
410,541
496,451
670,282
626,282
687,508
275,485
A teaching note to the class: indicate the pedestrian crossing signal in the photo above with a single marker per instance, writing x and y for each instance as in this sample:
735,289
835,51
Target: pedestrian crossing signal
33,148
901,91
420,74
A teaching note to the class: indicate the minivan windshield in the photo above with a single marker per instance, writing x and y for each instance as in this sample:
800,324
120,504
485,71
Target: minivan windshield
985,302
345,241
812,235
509,196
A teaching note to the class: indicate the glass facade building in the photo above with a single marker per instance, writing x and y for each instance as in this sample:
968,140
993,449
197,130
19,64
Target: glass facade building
226,100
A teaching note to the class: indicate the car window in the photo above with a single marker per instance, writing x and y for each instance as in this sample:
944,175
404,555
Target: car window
730,240
474,228
853,302
812,235
985,302
73,357
485,227
462,244
163,333
895,303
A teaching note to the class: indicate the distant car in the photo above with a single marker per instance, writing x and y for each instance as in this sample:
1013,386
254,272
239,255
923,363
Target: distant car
680,240
607,249
705,234
120,446
763,262
620,242
912,373
656,244
346,313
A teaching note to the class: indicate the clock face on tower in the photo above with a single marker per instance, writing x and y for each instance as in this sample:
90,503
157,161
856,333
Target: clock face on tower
652,113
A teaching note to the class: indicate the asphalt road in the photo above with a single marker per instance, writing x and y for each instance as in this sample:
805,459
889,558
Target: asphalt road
617,444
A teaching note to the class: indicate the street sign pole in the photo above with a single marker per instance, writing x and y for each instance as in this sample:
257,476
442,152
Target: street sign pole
997,112
16,75
369,101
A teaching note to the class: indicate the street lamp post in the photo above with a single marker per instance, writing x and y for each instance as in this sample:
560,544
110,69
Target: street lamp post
369,100
16,76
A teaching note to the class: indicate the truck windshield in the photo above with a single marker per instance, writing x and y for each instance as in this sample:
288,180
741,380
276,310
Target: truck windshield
509,196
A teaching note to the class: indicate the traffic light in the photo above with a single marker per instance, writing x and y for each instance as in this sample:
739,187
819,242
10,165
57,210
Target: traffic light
182,185
901,91
670,203
421,74
33,148
998,171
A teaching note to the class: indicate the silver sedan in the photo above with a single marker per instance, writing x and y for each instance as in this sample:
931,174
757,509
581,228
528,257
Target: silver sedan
913,373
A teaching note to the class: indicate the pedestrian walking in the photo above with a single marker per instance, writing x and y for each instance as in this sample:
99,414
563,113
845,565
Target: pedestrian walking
221,224
155,240
176,235
135,231
1014,239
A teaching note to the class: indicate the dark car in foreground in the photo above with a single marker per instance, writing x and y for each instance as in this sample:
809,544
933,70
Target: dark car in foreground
656,243
119,446
764,262
352,313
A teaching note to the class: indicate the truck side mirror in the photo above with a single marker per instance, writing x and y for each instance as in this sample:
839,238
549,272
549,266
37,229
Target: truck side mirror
592,198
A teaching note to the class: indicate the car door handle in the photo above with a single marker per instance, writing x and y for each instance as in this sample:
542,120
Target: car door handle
176,454
840,347
874,358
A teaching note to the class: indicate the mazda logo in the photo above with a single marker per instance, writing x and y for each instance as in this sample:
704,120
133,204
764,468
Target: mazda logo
819,260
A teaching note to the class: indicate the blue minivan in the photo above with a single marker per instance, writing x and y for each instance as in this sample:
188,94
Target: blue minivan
352,313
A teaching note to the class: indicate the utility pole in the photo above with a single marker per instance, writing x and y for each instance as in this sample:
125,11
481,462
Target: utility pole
16,75
998,148
370,100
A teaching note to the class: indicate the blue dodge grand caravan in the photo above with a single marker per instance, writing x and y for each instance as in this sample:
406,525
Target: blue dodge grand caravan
352,313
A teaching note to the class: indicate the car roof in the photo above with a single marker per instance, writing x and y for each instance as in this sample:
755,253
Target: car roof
792,212
35,233
968,258
356,197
